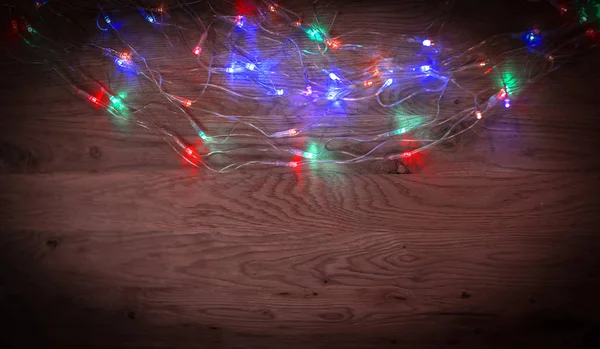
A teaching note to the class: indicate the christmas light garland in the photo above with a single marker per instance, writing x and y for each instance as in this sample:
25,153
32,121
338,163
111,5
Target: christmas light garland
267,53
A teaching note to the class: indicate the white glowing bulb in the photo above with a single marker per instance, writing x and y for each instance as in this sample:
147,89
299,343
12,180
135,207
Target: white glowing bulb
334,77
250,66
427,42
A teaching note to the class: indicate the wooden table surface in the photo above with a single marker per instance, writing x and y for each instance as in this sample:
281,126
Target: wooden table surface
107,240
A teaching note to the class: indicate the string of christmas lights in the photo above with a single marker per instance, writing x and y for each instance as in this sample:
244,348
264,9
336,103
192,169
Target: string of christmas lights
267,55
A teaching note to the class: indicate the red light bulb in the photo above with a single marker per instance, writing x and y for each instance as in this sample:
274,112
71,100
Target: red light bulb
502,94
333,44
197,50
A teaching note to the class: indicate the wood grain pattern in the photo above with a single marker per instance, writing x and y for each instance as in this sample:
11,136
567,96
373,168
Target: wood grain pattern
108,241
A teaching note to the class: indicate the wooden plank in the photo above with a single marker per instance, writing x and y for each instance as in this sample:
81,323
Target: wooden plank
370,258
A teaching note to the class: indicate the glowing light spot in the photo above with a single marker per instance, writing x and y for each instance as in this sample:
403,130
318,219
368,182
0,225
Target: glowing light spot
369,83
387,83
279,92
250,66
487,71
107,19
293,164
93,99
302,153
230,69
116,101
189,151
197,50
315,33
30,28
239,21
427,43
150,19
502,94
406,154
187,103
550,58
333,44
425,68
481,64
478,115
297,23
507,103
203,136
334,77
563,9
308,91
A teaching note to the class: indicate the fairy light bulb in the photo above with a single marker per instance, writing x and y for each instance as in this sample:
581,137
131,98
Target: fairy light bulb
303,154
239,21
189,151
150,19
197,50
293,164
93,99
507,103
332,44
481,64
279,92
272,8
107,20
502,94
308,91
334,77
406,154
288,133
427,43
116,101
425,68
369,83
30,29
203,135
387,83
14,24
123,60
563,9
187,103
478,115
297,24
250,66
